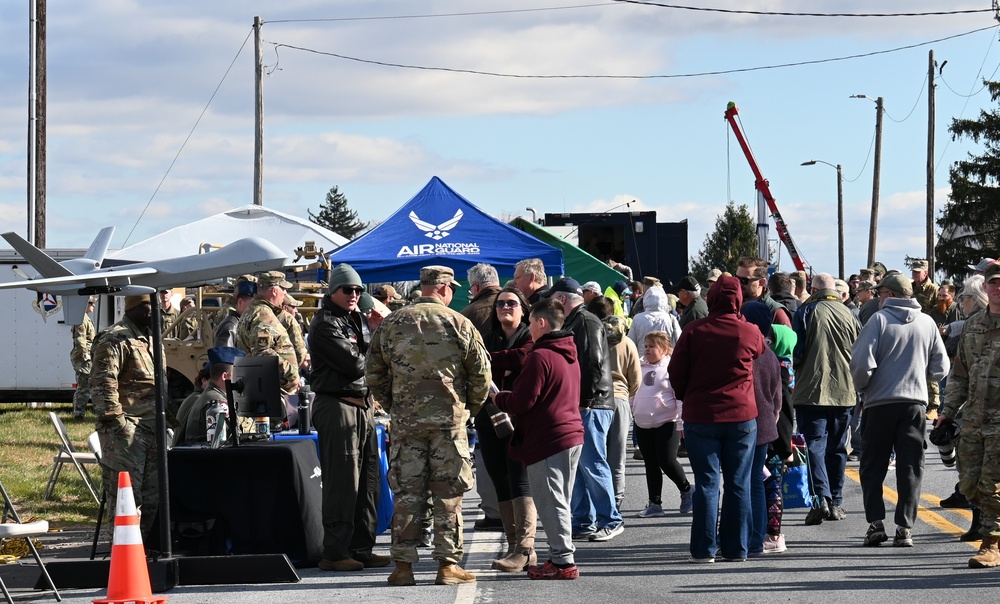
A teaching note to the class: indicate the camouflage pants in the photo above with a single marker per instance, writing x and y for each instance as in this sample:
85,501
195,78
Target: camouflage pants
82,395
133,450
979,475
933,394
431,464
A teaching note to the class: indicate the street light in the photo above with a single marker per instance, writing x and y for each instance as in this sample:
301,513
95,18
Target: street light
873,226
840,211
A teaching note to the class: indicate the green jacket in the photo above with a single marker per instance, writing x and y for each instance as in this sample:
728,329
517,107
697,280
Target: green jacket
826,330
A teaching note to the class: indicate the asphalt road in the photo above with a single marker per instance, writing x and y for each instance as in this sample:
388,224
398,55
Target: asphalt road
649,563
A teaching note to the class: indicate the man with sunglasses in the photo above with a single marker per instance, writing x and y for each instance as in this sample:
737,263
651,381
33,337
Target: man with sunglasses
344,422
428,367
752,273
259,332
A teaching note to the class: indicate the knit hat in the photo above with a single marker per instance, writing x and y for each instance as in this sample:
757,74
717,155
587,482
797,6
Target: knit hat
343,274
366,303
759,314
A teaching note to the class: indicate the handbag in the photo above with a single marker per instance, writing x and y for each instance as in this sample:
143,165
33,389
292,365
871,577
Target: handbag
796,486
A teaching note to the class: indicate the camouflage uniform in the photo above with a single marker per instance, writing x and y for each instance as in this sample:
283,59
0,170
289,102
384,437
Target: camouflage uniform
260,333
926,295
83,341
168,316
123,392
974,387
428,367
294,330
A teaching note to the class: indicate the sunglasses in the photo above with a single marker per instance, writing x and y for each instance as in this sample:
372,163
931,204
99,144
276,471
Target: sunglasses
506,303
348,290
748,280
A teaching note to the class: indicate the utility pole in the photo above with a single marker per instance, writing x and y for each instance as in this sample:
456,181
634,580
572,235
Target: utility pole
873,226
32,118
258,141
930,163
41,103
840,222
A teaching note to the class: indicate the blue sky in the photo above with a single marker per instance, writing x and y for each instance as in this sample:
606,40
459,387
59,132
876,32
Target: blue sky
127,81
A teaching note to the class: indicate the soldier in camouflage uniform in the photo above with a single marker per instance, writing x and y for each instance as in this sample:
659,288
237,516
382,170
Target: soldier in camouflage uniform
290,321
123,392
83,341
925,292
168,314
260,333
428,367
974,388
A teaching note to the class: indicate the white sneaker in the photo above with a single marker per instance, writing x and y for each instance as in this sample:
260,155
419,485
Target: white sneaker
774,545
652,510
608,533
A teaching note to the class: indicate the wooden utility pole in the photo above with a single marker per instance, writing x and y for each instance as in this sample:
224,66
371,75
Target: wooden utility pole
40,104
873,225
930,164
258,141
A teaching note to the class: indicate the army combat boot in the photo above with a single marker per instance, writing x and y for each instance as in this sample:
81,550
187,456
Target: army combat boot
403,575
988,556
450,573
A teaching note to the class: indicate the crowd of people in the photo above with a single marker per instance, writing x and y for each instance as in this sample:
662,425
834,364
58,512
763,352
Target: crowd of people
558,378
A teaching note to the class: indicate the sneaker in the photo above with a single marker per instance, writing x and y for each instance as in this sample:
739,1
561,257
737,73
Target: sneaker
774,544
836,513
582,536
875,535
551,571
608,533
686,503
739,559
708,560
818,514
652,510
903,538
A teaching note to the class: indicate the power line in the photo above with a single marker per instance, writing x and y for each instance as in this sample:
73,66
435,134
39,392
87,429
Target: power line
186,139
791,14
435,15
624,77
915,103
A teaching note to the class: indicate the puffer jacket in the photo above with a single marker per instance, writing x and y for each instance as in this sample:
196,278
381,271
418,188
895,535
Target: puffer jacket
656,316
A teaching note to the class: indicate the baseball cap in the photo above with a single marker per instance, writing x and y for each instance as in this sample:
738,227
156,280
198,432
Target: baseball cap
592,286
689,284
567,285
992,272
898,284
437,275
273,279
983,263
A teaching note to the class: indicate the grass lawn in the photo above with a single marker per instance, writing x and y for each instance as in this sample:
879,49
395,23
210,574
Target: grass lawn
28,442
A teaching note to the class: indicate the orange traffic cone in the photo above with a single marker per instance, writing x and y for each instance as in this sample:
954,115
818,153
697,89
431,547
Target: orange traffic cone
128,580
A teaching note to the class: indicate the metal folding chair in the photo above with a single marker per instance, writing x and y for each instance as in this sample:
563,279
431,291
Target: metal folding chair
68,454
26,530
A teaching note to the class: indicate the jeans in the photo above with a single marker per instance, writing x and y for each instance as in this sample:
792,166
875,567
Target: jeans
758,500
723,450
593,492
618,434
825,429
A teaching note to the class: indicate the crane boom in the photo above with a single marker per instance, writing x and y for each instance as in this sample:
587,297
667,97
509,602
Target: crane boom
764,193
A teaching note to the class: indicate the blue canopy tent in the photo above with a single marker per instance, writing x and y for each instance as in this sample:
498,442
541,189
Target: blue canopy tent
439,226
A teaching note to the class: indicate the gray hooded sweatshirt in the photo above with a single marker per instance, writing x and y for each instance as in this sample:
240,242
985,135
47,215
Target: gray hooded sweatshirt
898,350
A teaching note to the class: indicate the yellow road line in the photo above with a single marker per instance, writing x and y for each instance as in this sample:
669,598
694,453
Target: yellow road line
932,518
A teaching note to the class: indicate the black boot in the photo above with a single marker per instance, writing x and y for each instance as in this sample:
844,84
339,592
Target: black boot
973,533
955,500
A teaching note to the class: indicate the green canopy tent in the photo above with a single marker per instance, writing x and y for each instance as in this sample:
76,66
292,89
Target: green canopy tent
577,263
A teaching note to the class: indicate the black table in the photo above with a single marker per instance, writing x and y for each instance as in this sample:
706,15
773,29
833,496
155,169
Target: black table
258,498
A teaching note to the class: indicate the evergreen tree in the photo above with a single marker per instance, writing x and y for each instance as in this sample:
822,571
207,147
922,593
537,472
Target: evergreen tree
336,216
735,235
970,222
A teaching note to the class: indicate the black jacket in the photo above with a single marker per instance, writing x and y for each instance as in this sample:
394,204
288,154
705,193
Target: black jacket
595,362
337,346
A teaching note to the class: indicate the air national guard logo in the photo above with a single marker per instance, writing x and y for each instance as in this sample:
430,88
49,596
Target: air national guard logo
47,305
437,233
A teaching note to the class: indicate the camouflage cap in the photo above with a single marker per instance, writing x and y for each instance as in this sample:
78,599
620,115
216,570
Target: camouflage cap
134,301
866,273
273,279
865,285
919,265
879,269
992,272
437,275
290,301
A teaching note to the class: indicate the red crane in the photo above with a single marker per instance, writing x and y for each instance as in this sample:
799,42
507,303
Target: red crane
764,197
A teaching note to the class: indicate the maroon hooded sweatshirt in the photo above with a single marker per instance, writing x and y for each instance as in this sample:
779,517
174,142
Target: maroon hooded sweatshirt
711,368
545,400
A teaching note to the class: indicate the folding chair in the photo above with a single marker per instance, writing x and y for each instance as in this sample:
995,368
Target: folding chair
68,454
95,445
26,530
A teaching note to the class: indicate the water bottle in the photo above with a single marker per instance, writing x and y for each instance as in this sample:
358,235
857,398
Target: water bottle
303,420
215,423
